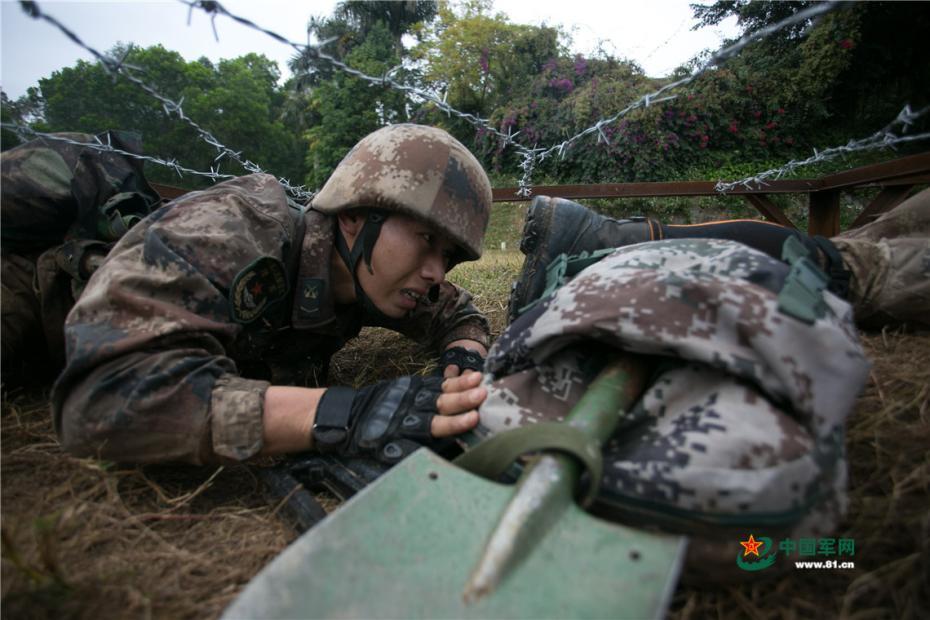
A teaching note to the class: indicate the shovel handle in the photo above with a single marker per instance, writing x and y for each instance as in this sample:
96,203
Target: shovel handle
546,487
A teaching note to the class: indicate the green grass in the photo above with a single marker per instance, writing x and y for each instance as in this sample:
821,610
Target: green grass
489,281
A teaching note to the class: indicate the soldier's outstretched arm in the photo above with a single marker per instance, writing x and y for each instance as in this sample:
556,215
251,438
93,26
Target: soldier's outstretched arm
291,412
148,378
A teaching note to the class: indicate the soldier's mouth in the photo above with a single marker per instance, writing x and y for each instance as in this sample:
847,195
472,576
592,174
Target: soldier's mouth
411,294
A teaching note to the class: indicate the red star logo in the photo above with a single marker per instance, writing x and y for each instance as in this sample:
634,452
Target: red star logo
752,546
256,288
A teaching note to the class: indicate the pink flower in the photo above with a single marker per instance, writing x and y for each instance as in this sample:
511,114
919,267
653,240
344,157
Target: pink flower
483,61
771,125
780,110
847,44
581,65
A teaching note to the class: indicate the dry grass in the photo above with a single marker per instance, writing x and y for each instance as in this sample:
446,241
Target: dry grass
888,448
85,539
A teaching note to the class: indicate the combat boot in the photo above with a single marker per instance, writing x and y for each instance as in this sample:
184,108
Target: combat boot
557,226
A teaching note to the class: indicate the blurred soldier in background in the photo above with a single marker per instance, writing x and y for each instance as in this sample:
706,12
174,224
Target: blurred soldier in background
63,206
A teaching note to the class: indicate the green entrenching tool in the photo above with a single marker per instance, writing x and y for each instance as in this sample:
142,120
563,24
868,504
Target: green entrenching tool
431,540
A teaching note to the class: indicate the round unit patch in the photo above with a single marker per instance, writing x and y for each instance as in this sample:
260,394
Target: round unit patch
256,288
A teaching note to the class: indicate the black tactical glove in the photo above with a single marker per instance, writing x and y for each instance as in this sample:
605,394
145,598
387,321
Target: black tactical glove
461,357
386,421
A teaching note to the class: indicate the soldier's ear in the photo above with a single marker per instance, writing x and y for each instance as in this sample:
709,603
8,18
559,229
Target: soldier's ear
350,223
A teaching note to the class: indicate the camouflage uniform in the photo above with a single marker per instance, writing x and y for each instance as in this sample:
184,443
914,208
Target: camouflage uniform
889,260
201,307
742,426
55,192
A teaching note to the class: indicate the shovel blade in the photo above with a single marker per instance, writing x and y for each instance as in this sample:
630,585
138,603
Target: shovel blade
404,546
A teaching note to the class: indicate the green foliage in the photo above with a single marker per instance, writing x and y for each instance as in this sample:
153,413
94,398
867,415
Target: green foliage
480,60
236,100
809,85
775,101
348,108
8,139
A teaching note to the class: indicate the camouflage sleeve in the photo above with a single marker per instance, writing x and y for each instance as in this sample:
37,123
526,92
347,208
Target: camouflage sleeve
54,191
446,317
148,378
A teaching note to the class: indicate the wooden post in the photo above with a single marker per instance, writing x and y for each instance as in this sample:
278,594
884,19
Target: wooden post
769,209
824,213
887,199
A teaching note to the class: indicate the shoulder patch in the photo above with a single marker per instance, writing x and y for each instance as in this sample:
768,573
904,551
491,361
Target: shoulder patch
257,287
310,296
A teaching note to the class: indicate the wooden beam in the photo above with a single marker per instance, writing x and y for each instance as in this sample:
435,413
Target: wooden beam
913,179
168,192
887,199
824,213
644,190
901,167
769,209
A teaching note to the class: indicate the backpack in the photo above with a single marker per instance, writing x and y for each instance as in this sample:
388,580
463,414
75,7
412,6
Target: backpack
741,428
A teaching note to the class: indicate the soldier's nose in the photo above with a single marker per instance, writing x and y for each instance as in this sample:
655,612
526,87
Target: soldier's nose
434,269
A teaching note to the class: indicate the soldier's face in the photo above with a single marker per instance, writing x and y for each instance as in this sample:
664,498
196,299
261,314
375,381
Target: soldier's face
409,257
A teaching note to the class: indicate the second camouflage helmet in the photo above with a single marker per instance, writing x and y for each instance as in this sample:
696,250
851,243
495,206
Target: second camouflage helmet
421,171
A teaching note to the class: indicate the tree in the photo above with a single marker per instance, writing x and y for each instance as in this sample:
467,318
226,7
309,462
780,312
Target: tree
845,75
237,100
347,108
479,60
340,108
399,16
8,139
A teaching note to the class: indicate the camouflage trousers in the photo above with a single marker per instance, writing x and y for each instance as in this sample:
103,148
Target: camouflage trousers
889,260
38,290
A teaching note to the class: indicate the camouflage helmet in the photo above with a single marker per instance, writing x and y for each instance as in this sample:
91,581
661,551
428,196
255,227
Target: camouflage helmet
419,171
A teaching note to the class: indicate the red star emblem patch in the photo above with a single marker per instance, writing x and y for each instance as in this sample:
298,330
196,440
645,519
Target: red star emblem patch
752,546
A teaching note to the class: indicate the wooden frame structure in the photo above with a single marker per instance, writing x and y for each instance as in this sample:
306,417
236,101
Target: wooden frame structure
896,178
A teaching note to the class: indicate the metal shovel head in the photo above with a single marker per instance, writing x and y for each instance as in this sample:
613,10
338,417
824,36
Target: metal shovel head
403,548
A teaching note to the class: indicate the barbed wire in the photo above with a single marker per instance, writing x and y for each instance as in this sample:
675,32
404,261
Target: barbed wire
119,67
884,138
107,147
215,8
530,156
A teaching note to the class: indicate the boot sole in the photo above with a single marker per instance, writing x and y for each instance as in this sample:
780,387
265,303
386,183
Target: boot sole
534,227
541,219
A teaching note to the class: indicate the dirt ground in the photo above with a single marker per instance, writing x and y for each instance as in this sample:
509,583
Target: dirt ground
85,539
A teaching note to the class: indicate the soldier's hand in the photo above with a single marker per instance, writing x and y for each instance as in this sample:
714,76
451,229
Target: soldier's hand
458,359
458,405
391,419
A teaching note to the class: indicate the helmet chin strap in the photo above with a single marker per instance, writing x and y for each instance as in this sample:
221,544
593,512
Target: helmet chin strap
363,247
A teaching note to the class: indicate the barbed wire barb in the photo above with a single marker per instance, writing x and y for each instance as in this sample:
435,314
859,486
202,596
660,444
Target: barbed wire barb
98,145
883,138
529,157
525,152
169,106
